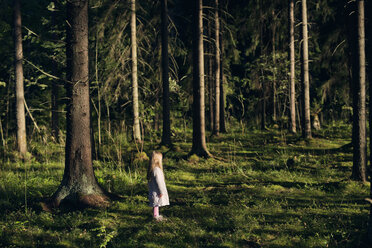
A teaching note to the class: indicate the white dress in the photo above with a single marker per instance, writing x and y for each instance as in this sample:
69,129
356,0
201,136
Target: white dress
156,187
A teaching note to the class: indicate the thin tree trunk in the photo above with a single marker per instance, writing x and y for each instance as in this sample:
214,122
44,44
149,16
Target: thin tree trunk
55,111
98,97
263,90
222,95
55,94
292,97
79,185
20,109
359,79
166,137
210,78
368,11
274,66
216,119
199,146
305,77
136,123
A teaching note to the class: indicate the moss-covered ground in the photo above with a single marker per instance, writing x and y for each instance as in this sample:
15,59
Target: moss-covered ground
262,189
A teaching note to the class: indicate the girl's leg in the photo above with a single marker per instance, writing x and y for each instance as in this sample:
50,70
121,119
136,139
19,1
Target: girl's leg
156,211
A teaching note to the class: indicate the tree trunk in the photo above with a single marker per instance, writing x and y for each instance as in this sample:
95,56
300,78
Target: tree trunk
79,185
55,111
263,87
55,92
359,80
216,119
210,77
305,77
166,136
274,65
292,93
136,123
368,11
199,146
222,91
20,108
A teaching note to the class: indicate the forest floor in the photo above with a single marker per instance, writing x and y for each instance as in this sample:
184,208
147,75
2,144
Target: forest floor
271,189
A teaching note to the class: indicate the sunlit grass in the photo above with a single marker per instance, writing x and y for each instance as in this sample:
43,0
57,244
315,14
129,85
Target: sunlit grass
262,189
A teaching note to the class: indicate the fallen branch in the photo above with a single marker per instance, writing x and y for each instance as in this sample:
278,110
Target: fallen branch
32,118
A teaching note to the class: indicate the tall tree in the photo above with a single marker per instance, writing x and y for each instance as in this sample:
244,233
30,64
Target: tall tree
369,59
166,137
359,95
216,119
20,98
292,92
199,145
273,43
133,27
263,85
222,88
55,89
209,77
305,75
79,185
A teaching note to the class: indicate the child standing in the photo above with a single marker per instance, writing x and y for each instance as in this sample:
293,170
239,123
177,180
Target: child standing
158,194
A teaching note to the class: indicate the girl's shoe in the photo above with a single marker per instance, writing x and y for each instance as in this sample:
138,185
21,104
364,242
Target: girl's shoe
160,218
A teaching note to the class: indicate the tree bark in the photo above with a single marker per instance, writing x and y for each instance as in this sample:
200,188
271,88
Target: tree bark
216,119
359,80
199,146
18,55
79,185
166,136
136,124
305,77
292,93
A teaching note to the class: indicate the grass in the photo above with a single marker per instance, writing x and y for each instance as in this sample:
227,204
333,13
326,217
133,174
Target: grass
270,190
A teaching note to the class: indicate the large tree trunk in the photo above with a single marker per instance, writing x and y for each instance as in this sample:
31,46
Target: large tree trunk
216,119
166,137
305,75
20,107
222,91
79,185
359,97
292,93
136,123
199,146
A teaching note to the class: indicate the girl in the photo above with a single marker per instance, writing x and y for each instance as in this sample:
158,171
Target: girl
158,194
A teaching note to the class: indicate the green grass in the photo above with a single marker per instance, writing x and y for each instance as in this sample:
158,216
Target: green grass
253,197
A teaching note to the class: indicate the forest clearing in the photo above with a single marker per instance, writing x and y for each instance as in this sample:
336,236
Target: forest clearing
173,123
272,190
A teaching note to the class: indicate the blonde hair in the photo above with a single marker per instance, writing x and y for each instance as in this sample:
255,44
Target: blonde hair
155,161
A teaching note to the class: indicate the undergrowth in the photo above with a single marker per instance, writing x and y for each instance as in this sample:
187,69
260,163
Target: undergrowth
263,189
